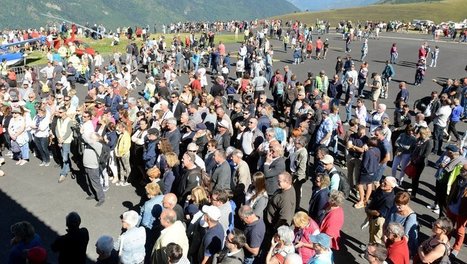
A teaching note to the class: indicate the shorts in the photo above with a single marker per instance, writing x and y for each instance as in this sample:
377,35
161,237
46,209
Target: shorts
366,178
318,50
375,94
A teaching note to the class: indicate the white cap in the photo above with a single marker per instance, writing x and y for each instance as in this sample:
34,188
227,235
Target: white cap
212,212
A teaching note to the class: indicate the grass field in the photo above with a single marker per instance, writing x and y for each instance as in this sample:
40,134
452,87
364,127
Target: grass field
104,48
437,11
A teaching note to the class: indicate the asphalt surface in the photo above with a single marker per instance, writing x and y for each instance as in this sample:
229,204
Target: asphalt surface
32,193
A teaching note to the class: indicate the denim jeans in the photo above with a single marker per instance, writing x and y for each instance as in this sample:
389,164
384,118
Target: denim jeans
437,138
348,112
25,151
379,173
65,150
403,160
42,144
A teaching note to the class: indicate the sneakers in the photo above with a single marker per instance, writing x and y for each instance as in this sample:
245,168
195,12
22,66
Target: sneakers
359,205
115,180
42,164
22,162
100,203
105,188
433,207
365,224
18,162
436,211
124,183
61,179
90,197
47,164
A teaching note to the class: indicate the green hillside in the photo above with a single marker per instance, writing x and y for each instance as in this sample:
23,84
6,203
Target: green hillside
115,13
433,10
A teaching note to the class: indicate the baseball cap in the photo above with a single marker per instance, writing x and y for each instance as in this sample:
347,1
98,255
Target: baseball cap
192,147
452,148
327,159
322,239
212,212
391,181
201,126
223,123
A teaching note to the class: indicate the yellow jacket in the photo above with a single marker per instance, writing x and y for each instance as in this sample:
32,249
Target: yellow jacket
123,144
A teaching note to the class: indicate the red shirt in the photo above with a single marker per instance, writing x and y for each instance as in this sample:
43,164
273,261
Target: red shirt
398,252
332,225
319,44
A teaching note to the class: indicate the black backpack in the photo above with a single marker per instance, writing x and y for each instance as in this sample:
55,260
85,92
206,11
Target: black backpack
344,185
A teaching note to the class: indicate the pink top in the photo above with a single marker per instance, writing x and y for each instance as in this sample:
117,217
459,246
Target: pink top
332,225
304,236
221,49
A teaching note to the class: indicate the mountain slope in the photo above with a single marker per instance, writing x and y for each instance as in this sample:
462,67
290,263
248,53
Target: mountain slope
114,13
315,5
438,11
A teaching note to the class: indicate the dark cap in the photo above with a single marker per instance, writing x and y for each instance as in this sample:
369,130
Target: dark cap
452,148
325,112
201,126
153,131
100,101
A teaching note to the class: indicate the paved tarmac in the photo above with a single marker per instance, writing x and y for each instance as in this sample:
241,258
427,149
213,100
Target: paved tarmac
32,193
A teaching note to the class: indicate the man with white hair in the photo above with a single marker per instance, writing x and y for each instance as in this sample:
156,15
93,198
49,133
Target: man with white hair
396,243
105,250
166,113
173,134
91,155
242,171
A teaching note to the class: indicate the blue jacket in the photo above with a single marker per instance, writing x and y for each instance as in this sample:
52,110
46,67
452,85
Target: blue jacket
456,113
149,154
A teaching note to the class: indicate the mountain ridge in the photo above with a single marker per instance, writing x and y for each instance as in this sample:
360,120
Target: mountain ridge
117,13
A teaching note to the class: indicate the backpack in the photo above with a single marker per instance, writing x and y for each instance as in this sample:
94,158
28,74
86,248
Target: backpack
104,157
344,185
280,88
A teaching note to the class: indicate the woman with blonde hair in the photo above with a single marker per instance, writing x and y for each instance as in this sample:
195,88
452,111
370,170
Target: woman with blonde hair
155,196
168,178
195,202
305,227
256,196
154,175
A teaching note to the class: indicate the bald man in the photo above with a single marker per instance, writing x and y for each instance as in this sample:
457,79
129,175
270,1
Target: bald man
174,232
170,202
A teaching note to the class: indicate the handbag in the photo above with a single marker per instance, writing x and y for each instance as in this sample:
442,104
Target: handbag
410,170
340,129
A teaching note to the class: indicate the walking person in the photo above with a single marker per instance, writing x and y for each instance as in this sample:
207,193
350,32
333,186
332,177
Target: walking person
434,57
364,49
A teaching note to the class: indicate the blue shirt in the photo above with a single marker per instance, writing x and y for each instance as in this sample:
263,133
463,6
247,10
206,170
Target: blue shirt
213,240
151,209
456,113
325,128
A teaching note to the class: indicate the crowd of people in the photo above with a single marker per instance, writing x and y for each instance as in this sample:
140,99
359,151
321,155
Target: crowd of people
223,166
